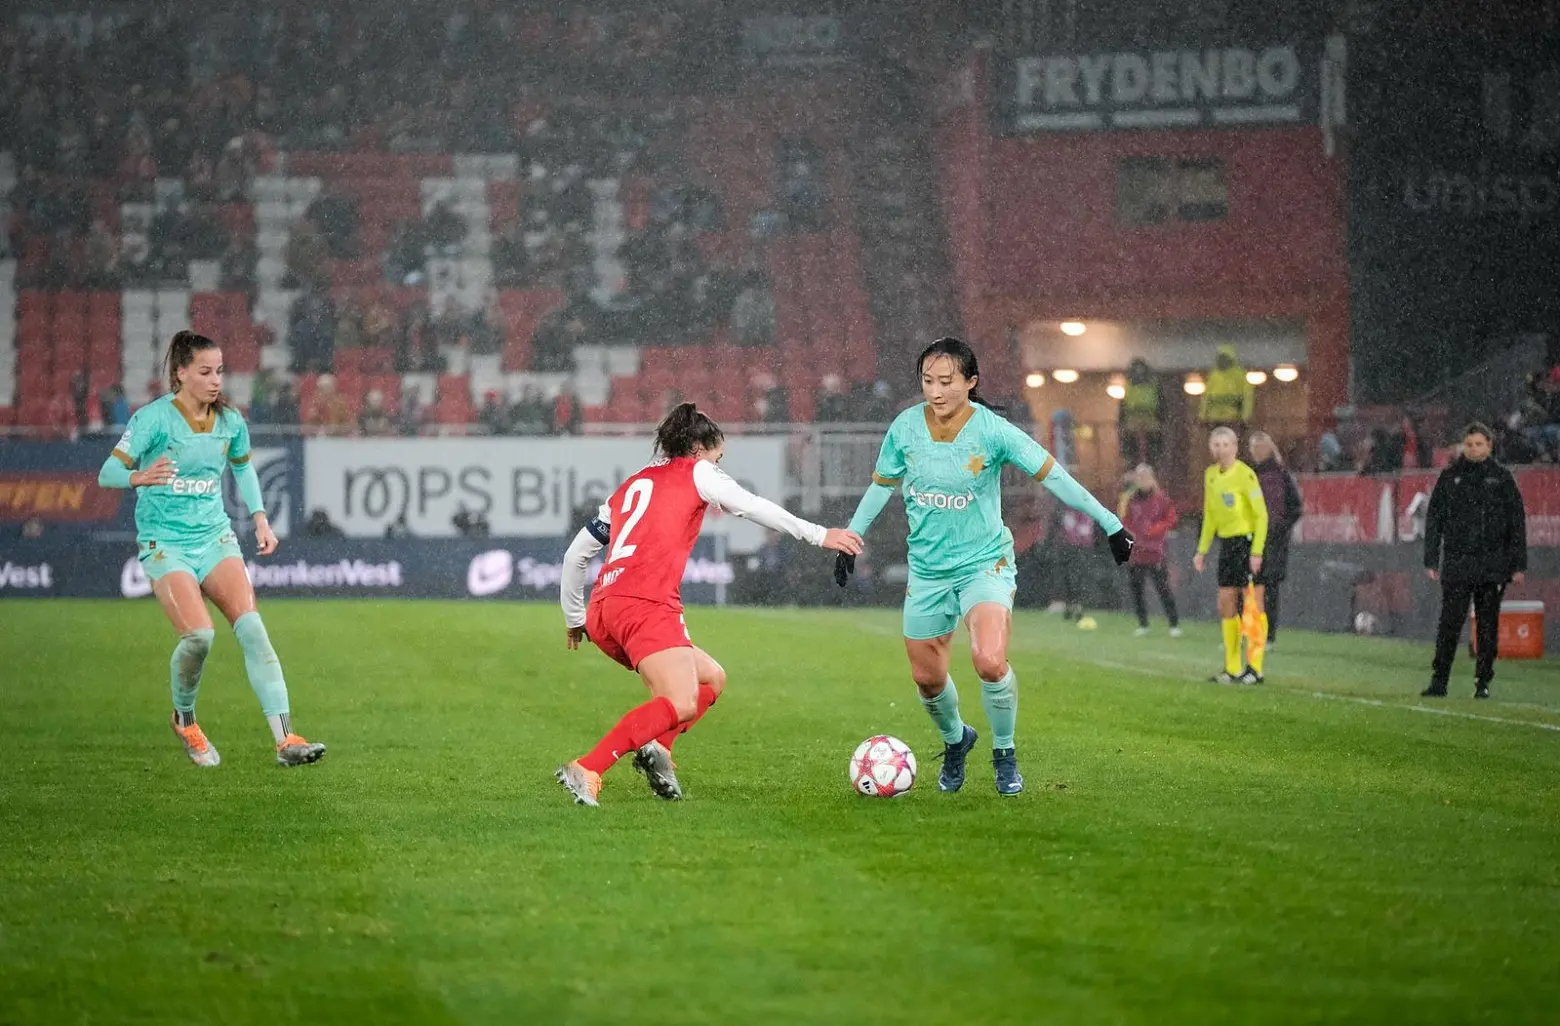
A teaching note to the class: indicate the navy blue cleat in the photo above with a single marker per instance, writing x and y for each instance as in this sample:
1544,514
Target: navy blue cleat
951,778
1005,762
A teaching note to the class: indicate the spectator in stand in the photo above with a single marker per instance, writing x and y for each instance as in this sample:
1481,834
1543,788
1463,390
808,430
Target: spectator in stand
1229,398
284,405
307,257
329,412
374,420
1384,454
444,230
80,393
1475,544
414,418
482,328
530,414
1330,457
1140,420
449,324
552,348
1150,515
102,258
61,421
319,525
403,259
416,343
238,264
378,325
753,312
1540,424
349,326
832,405
311,334
493,418
116,408
1282,497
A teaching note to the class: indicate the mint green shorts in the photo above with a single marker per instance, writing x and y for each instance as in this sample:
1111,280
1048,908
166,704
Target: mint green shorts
159,558
934,608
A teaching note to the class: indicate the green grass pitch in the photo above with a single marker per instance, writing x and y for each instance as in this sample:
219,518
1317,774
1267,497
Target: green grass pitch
1323,849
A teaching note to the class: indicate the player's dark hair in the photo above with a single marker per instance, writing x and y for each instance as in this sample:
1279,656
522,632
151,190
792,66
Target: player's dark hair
963,357
1476,428
181,353
685,430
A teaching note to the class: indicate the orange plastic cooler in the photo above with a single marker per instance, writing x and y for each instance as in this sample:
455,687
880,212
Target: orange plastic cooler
1521,632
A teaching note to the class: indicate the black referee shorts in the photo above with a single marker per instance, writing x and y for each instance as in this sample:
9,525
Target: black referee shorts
1235,561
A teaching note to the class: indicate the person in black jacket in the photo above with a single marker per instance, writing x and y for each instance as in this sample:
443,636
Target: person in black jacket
1475,544
1284,507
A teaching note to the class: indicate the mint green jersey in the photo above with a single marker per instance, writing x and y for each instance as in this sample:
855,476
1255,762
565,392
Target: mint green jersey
953,487
189,510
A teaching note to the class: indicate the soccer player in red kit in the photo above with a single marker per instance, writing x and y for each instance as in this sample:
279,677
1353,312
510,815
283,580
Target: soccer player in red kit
635,615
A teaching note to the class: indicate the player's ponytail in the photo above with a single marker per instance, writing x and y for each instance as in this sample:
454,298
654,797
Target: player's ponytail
684,431
963,358
181,353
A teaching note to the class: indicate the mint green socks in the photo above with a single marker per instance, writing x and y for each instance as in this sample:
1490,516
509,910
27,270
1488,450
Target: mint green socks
1000,699
189,659
944,711
264,669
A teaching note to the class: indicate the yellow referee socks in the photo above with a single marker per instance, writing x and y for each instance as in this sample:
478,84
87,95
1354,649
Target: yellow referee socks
1232,663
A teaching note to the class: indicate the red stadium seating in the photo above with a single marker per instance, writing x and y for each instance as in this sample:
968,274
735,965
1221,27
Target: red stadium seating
452,404
523,311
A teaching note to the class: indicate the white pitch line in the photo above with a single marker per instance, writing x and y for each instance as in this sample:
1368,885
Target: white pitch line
1436,712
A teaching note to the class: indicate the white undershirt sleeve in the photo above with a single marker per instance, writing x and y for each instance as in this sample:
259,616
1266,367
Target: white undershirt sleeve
718,489
576,564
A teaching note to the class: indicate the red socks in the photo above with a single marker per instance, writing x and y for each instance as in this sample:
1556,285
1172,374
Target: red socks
639,726
706,699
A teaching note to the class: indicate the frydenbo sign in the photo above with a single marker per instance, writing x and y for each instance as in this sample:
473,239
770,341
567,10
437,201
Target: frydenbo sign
1156,89
525,487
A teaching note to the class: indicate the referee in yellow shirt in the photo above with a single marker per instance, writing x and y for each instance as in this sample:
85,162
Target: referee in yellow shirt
1233,509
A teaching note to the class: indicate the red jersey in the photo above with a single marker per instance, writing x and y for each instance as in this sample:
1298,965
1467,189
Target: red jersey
656,516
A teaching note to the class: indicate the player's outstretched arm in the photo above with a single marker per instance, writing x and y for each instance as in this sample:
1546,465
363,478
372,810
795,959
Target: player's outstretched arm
576,563
1065,487
718,489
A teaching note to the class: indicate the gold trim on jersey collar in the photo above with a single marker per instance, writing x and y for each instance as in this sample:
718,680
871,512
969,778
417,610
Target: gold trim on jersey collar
200,427
947,432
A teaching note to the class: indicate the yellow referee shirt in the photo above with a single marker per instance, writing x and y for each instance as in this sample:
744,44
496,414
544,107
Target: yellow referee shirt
1233,507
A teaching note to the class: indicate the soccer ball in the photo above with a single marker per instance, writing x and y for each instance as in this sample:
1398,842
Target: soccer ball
882,767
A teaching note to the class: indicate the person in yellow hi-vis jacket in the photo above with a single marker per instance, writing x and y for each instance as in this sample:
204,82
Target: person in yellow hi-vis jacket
1233,509
1229,398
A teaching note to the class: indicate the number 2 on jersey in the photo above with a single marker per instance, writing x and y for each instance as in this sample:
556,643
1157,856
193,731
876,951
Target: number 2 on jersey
635,501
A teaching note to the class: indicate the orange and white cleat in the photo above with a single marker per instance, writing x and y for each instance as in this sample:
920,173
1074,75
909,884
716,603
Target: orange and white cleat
201,751
295,751
580,782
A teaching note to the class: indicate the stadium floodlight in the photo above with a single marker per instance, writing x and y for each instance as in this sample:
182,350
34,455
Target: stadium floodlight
1194,385
1286,372
1035,379
1074,327
1256,377
1117,389
1065,375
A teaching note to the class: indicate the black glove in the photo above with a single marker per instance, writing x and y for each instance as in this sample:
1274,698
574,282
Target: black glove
844,566
1121,545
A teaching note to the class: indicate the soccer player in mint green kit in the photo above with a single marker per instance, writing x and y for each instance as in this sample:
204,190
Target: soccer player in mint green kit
182,443
948,453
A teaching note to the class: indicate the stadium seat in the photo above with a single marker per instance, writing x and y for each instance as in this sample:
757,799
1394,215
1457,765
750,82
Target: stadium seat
452,404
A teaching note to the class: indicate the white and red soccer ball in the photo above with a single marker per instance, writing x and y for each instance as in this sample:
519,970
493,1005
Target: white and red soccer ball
882,767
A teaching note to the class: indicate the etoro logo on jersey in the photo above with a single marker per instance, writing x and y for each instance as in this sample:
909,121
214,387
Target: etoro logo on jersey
942,500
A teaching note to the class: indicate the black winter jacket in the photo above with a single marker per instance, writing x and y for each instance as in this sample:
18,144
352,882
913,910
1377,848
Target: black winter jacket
1476,527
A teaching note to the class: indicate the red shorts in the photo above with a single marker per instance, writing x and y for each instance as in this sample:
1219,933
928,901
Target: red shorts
629,629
